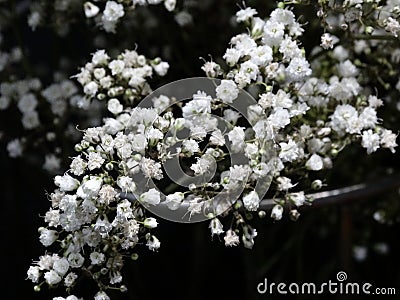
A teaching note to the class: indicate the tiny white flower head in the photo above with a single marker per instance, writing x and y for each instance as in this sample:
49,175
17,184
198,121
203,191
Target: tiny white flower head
61,266
152,197
277,212
47,237
114,106
153,243
90,9
170,4
52,277
66,183
298,199
162,68
315,163
244,15
34,273
251,201
113,11
231,238
90,188
216,227
101,296
173,201
150,223
227,91
91,88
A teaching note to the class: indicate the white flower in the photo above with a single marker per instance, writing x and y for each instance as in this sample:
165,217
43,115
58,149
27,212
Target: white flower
101,296
289,151
61,266
27,103
90,9
114,106
97,258
151,169
170,4
190,147
66,183
370,141
152,196
52,277
34,273
231,238
279,118
315,163
200,105
298,69
126,184
368,117
162,68
232,56
30,120
78,166
100,57
90,188
244,15
113,11
251,201
95,160
326,41
393,26
273,33
90,88
202,165
298,199
150,223
236,136
14,148
173,201
47,237
388,140
262,55
216,227
284,183
347,69
116,66
227,91
4,102
153,243
276,212
75,260
69,280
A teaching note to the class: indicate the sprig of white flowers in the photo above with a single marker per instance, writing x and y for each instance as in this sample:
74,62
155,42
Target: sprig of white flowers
305,118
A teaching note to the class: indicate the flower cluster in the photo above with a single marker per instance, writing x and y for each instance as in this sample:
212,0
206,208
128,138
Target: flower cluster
105,13
276,115
124,77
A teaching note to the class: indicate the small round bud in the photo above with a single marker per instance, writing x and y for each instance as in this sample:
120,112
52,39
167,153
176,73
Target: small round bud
36,288
316,184
85,144
262,214
369,30
109,166
123,288
192,187
101,96
134,256
320,13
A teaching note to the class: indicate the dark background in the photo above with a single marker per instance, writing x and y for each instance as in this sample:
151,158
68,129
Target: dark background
189,265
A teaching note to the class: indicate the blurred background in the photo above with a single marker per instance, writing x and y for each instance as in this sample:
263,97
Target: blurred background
360,235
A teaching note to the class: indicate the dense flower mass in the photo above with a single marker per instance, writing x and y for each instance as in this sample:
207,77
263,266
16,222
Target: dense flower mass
277,114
